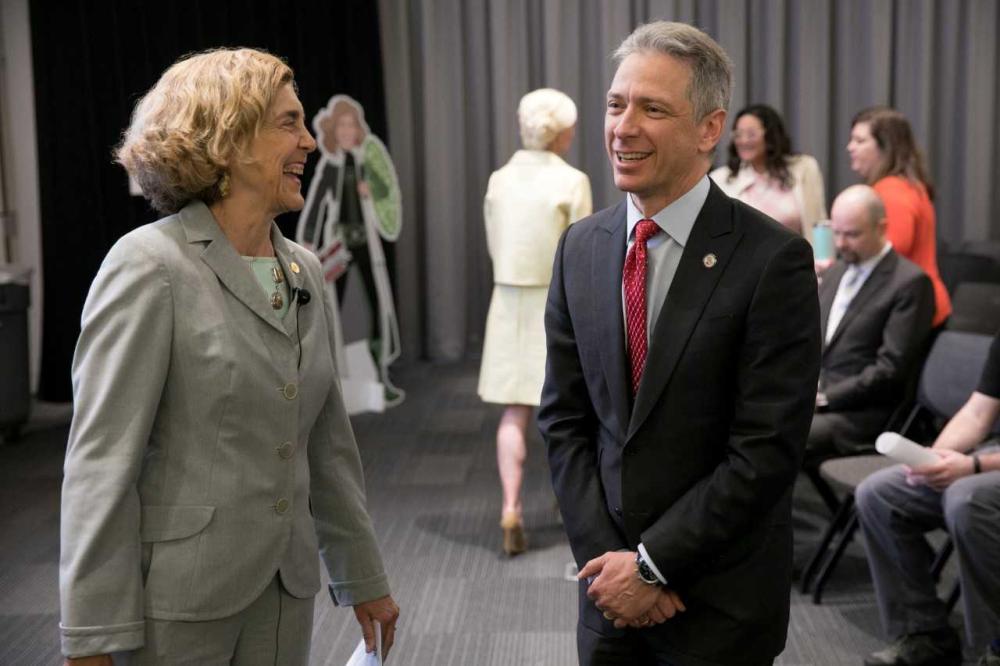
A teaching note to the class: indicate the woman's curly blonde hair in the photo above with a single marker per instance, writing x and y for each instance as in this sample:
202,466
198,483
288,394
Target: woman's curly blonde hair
199,117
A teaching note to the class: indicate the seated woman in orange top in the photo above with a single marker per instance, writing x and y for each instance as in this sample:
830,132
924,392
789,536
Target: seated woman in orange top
884,153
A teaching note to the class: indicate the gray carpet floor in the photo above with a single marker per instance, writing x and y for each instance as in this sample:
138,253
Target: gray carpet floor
434,498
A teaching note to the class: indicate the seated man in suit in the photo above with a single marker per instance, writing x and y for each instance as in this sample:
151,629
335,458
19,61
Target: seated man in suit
960,493
875,309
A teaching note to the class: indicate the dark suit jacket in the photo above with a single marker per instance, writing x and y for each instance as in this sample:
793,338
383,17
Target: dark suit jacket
328,178
700,468
876,347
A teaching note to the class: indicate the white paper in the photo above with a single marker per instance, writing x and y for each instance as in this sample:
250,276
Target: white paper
903,450
359,381
362,658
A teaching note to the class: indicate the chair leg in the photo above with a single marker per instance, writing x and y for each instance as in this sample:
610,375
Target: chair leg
941,559
836,524
956,592
827,494
842,542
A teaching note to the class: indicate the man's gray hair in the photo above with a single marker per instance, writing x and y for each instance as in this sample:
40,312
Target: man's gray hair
711,69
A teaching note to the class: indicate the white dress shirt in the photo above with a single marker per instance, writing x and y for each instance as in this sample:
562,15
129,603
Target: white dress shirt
664,249
850,284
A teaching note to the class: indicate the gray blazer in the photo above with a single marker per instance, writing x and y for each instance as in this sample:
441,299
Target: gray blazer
209,448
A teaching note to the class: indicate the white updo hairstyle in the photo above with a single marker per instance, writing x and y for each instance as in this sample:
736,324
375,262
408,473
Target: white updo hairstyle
543,114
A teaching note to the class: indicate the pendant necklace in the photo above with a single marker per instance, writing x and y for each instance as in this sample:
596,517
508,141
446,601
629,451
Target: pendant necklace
276,300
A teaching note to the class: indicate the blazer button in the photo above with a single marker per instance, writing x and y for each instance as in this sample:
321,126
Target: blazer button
290,391
281,506
618,511
285,451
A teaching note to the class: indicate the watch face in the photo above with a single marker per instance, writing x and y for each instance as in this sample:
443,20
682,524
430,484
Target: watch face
645,572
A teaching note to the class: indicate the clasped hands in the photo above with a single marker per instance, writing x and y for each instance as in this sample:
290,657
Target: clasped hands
616,589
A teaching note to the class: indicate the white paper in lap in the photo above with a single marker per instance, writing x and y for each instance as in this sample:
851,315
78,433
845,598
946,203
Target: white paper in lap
903,450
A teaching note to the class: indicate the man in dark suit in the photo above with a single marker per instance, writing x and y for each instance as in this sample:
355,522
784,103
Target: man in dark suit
675,417
876,309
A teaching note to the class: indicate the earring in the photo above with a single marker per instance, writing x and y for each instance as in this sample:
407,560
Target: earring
223,185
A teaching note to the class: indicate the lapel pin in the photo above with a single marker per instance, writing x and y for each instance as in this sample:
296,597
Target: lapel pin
708,260
294,266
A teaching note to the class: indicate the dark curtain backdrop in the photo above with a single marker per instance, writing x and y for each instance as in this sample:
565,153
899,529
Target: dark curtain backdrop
93,60
456,69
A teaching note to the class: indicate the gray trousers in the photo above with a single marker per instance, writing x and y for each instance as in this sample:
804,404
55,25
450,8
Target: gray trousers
275,630
895,516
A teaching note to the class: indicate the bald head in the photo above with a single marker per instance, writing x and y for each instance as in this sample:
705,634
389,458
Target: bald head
857,220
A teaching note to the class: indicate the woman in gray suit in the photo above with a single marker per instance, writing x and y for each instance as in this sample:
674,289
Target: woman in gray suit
210,455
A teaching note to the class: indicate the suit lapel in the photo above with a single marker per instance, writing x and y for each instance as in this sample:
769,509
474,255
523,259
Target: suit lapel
291,265
690,291
607,261
873,285
220,255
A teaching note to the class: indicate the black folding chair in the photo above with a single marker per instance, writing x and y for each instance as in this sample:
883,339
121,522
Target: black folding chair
948,378
975,308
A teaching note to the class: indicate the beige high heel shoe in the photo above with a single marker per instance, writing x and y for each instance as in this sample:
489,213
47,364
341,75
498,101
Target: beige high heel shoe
514,541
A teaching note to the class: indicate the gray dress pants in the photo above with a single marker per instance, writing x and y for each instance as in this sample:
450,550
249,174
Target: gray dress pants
274,630
895,516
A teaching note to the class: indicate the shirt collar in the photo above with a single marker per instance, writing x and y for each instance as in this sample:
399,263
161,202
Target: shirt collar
868,265
678,218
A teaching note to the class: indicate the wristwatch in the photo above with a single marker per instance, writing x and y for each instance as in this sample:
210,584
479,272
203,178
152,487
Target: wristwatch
644,571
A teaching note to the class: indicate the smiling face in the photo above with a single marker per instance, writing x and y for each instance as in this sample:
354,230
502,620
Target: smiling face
864,151
749,137
657,149
270,172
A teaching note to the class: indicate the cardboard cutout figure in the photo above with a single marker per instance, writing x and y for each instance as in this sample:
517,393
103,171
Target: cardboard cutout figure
353,205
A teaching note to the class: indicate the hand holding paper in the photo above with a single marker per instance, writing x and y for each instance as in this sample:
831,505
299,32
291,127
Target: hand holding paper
378,615
361,655
935,467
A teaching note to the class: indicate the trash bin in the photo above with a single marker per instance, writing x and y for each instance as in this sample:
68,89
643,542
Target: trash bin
15,387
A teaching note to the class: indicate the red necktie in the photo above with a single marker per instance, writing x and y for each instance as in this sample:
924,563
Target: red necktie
634,281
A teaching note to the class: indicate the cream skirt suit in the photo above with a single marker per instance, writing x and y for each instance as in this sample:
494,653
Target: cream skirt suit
529,203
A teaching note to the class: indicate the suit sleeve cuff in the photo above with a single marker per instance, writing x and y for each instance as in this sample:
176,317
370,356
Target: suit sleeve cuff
91,641
652,565
358,592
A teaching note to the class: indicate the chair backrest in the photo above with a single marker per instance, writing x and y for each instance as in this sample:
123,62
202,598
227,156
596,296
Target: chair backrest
975,308
982,248
959,267
952,370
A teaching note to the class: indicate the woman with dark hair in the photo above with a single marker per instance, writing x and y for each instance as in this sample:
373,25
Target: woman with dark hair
885,154
763,172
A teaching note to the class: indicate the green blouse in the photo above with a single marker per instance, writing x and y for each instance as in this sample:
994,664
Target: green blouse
265,269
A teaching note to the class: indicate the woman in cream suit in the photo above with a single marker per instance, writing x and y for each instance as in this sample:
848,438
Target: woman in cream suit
210,456
529,203
763,172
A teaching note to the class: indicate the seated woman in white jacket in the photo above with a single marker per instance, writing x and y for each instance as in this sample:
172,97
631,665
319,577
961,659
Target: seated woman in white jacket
529,203
763,172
